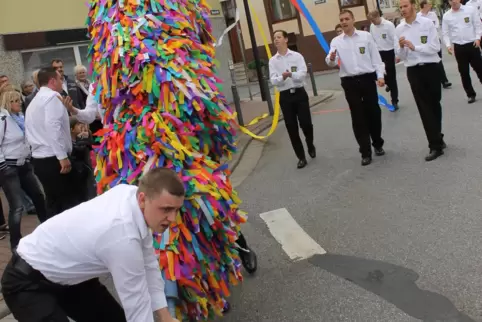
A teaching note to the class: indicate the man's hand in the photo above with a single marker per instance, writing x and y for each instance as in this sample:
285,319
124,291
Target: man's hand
381,82
477,43
409,44
401,42
65,166
286,75
67,101
397,60
333,55
163,315
450,50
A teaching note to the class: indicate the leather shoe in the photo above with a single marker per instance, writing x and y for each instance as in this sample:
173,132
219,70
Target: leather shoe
366,161
471,100
379,152
434,154
312,152
444,145
302,164
447,85
395,107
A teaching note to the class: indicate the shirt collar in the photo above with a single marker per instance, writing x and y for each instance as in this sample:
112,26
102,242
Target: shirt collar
137,215
289,52
356,33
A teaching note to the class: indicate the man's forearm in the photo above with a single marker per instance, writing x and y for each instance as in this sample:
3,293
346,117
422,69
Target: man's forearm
163,315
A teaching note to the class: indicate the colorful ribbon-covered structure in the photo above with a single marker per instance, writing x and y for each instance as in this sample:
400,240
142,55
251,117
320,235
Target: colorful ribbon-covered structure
154,70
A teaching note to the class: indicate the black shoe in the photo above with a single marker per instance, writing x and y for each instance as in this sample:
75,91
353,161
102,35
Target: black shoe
379,152
302,163
447,85
471,99
32,212
434,154
387,89
366,161
395,107
312,152
444,146
249,260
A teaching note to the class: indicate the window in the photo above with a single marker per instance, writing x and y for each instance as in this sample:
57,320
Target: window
282,10
350,3
70,55
385,4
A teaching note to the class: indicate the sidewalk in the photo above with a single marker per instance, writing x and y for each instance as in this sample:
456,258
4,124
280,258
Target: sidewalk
255,108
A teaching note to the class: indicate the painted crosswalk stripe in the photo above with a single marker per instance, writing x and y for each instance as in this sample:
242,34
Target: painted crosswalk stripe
296,243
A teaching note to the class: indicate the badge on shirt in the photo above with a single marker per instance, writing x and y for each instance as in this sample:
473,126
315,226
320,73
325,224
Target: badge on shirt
423,39
362,50
384,36
467,19
294,69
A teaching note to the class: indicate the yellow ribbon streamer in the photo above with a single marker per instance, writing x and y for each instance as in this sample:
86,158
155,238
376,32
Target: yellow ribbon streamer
274,124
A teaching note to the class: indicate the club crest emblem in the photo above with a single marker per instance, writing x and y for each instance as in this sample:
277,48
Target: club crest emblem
467,19
384,36
423,39
294,69
362,50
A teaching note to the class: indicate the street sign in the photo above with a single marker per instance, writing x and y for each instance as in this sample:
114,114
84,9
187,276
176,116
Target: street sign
319,1
215,12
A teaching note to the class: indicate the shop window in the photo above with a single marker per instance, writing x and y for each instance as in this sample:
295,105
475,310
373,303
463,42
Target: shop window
282,10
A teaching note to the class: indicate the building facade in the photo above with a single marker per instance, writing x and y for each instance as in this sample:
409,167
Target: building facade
34,32
281,14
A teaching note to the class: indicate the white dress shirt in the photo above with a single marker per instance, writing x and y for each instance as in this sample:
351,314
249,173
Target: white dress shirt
47,126
13,145
462,26
432,16
424,37
358,54
92,108
477,5
292,62
107,234
384,35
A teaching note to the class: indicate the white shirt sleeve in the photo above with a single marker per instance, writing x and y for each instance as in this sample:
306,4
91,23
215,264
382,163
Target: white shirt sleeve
54,116
124,259
155,283
327,59
376,58
433,44
3,124
400,52
477,23
300,74
275,79
88,114
445,33
437,22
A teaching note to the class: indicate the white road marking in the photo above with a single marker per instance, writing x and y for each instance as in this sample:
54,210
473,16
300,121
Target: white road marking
296,243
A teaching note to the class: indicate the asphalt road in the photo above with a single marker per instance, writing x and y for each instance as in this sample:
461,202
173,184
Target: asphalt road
403,236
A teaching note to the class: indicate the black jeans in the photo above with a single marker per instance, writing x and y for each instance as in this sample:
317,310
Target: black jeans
59,188
32,298
366,116
15,180
388,58
443,76
427,91
296,108
468,55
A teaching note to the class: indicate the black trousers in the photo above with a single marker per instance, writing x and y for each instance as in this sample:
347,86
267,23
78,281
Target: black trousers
388,58
60,190
14,181
32,298
366,116
296,109
427,91
443,75
468,55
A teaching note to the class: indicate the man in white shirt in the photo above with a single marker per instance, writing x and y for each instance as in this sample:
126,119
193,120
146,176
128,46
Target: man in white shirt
476,4
54,273
287,70
426,11
47,130
383,32
361,68
462,29
418,45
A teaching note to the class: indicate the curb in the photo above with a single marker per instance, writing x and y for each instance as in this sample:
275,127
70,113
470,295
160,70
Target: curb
263,128
4,311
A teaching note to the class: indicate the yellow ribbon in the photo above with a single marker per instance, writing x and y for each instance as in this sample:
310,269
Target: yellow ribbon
274,124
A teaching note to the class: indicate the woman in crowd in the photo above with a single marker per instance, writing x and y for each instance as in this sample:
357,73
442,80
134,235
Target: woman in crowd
16,173
83,83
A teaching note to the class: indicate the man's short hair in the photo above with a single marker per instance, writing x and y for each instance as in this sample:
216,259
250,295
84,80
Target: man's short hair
156,180
423,3
56,60
3,76
348,12
338,26
283,32
373,14
45,75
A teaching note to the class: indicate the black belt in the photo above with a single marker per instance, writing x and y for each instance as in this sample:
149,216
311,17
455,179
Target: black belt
292,91
466,44
422,65
22,266
365,75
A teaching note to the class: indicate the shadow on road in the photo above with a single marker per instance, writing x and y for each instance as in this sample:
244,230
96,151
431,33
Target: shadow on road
394,284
